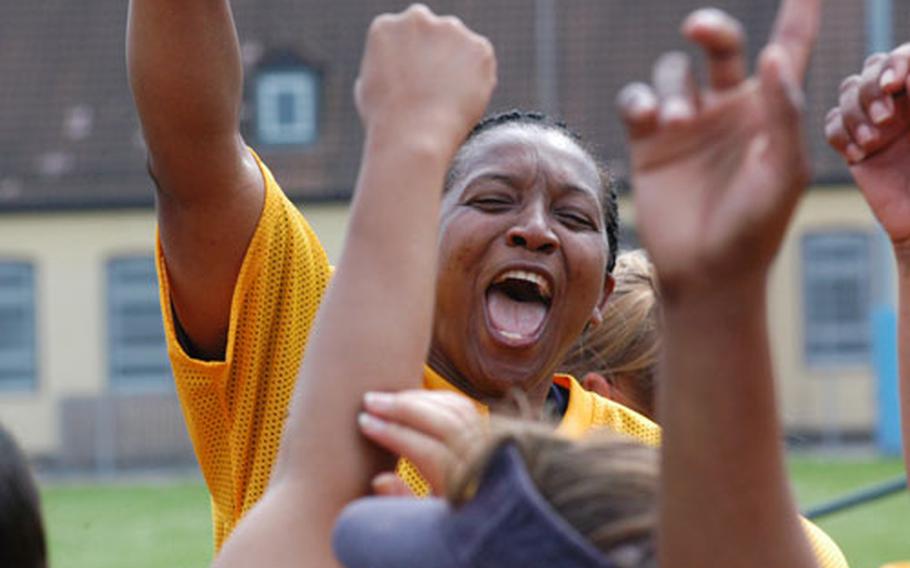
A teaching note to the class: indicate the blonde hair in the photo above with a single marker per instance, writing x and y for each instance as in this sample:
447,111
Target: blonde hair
625,347
604,486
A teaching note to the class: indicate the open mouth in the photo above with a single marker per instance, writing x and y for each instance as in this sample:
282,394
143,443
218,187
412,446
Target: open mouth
517,305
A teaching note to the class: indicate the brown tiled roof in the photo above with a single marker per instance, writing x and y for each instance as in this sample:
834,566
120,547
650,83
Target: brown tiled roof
69,135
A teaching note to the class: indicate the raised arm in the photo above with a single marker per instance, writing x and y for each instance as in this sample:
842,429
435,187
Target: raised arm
423,83
717,173
185,72
870,128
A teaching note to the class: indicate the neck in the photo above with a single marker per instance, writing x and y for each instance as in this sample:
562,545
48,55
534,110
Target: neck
530,401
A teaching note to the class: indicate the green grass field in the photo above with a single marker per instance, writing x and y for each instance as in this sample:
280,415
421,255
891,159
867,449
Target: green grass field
870,535
128,526
167,524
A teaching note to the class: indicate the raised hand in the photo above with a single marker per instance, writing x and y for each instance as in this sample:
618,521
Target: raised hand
717,170
402,79
870,128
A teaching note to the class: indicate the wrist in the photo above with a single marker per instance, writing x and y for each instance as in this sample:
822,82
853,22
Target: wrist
437,135
711,292
724,302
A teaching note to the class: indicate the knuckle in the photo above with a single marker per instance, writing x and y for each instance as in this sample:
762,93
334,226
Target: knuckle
875,59
452,21
421,15
835,135
377,24
674,60
848,83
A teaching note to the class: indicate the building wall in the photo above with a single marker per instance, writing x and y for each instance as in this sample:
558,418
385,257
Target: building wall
70,252
813,399
817,397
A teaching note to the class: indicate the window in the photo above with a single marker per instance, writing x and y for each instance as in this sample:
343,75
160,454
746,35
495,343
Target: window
287,105
17,327
137,348
837,297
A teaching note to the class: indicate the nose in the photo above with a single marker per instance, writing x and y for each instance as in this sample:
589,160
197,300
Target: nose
533,231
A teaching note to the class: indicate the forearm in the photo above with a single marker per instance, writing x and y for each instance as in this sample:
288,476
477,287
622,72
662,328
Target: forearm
374,324
184,68
902,256
723,477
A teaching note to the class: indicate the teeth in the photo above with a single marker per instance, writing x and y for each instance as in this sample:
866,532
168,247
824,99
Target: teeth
510,334
531,277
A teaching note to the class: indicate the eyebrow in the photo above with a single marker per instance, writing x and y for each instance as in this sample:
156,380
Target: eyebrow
513,181
584,190
507,179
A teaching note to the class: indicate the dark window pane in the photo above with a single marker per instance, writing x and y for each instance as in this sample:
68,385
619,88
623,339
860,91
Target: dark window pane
836,297
138,351
18,345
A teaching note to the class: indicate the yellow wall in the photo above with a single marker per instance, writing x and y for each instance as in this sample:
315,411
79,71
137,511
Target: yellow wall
70,251
812,399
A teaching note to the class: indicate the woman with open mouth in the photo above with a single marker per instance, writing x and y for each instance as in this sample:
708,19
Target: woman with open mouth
526,239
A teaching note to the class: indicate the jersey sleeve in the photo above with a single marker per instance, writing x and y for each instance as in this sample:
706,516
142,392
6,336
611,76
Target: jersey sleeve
235,408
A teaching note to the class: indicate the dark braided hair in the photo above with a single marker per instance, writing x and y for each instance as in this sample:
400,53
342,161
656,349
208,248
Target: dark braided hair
540,120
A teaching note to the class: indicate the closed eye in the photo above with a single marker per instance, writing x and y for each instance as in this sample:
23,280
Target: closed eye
491,204
577,221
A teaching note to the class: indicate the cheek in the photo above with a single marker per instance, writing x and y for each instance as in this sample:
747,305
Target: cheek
587,268
462,241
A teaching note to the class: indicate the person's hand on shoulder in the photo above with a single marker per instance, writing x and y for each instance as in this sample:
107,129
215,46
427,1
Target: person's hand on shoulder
717,170
422,72
870,128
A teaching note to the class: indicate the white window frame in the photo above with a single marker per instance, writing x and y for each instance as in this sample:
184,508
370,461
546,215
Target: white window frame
302,84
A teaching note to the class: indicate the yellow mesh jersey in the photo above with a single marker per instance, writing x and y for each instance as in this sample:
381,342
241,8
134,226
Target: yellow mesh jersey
586,410
235,409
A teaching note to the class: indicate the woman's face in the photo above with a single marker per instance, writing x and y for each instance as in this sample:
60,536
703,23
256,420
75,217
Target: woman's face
522,260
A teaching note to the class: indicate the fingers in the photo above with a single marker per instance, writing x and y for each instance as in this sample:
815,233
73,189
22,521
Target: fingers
860,128
432,457
722,39
878,105
871,112
388,484
638,106
795,30
431,72
894,76
674,83
783,101
445,416
432,429
839,139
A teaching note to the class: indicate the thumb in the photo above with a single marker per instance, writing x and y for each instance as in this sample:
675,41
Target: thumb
782,99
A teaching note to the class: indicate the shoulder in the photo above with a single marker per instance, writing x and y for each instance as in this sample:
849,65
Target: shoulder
588,410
